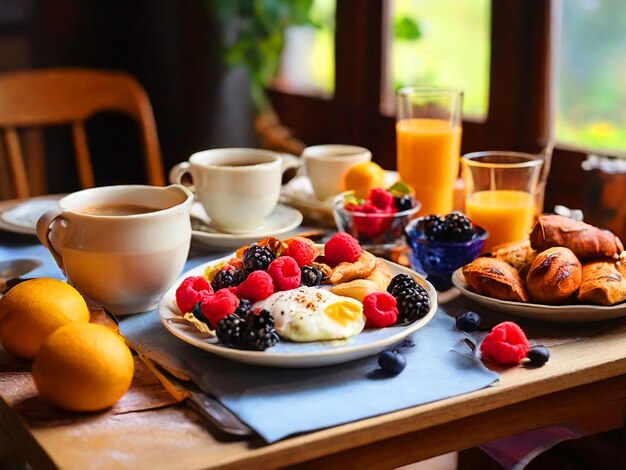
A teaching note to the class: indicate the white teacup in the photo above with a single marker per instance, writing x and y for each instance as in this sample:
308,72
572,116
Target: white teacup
121,246
326,166
238,187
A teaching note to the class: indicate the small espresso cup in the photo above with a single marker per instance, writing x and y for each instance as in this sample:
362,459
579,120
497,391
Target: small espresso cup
121,246
238,187
326,166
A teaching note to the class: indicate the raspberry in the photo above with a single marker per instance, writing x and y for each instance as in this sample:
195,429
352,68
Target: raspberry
372,225
285,273
191,291
506,344
217,306
380,309
299,250
257,286
342,247
383,200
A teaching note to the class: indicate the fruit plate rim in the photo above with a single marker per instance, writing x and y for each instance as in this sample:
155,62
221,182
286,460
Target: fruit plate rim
569,313
172,321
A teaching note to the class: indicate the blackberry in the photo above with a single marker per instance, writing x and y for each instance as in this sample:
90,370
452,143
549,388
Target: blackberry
310,276
413,300
257,258
230,330
228,278
401,281
404,202
429,222
455,227
260,320
243,309
255,331
261,339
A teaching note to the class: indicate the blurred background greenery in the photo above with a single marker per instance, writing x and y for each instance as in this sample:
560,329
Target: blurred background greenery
447,43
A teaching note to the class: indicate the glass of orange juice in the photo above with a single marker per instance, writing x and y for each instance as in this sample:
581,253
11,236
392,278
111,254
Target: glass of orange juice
428,134
500,191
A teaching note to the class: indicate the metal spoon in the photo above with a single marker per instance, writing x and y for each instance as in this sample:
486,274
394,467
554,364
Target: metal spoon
15,268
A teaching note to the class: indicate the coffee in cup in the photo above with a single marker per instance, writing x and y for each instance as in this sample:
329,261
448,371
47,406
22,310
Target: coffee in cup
121,246
326,166
238,187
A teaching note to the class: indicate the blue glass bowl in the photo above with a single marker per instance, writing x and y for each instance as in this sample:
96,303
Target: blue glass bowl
438,260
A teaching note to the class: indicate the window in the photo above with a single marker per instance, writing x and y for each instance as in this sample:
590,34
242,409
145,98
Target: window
590,69
441,43
307,63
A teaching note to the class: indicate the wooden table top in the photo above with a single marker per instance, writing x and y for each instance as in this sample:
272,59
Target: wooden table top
584,380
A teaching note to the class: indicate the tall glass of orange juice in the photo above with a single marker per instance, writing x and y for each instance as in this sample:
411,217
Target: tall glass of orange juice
500,192
428,134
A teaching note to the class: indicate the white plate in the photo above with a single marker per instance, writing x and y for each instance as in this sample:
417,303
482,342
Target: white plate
572,313
282,220
299,193
21,216
288,354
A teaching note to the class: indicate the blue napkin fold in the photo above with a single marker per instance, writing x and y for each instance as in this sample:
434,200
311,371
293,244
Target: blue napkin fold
39,252
278,403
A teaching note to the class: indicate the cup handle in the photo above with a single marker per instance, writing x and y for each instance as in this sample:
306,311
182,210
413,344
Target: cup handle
290,162
178,171
44,228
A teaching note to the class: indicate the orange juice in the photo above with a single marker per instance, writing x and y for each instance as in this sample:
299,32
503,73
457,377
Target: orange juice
428,160
507,215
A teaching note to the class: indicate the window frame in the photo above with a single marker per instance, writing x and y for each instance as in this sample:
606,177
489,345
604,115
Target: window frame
519,111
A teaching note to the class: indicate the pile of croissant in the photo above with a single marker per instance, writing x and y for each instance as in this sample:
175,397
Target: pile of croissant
565,261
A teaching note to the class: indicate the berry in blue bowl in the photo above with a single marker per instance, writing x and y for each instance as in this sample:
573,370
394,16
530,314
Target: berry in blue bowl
441,245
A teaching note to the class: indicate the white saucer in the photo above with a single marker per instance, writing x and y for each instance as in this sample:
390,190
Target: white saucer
282,220
20,216
299,193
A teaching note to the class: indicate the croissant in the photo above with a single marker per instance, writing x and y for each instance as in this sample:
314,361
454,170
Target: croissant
586,241
495,278
554,276
604,283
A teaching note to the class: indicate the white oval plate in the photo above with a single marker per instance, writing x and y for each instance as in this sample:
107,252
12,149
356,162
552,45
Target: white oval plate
571,313
283,219
288,354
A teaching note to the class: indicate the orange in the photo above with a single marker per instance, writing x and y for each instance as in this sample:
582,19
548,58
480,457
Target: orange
83,367
362,177
34,309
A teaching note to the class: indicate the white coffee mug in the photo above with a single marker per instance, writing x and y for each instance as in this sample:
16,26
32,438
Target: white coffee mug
326,166
121,246
238,187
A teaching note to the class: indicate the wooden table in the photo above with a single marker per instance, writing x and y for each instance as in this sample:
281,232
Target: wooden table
584,385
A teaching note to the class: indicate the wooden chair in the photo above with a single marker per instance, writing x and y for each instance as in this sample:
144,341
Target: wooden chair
39,98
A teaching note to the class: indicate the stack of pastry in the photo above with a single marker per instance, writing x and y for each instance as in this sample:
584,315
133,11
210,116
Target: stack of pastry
564,261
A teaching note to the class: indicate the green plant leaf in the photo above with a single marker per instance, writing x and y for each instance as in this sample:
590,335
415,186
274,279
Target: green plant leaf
406,28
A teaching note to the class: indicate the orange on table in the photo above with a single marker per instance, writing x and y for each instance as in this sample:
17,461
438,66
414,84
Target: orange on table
83,367
428,156
34,309
362,177
507,215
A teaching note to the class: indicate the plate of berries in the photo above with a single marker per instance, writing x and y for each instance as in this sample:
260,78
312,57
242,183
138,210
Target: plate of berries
293,303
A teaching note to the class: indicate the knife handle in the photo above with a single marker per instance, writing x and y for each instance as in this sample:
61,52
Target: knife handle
218,414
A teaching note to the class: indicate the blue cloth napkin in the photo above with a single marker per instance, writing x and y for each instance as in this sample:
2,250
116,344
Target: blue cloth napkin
39,252
278,403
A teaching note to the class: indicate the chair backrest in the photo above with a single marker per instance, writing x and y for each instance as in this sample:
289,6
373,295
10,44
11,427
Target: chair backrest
46,97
